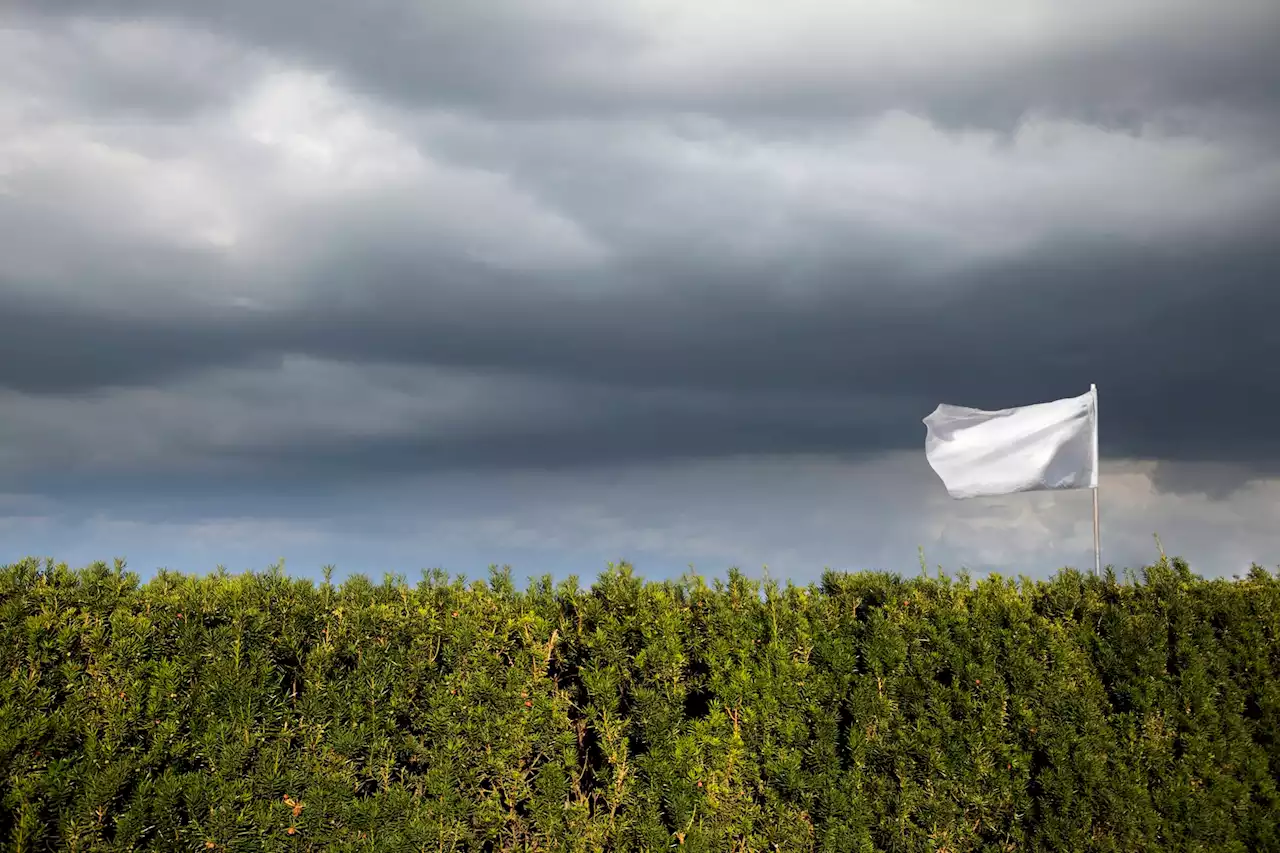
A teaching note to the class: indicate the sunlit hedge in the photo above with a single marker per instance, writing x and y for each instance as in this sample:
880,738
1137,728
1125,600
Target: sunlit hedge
869,712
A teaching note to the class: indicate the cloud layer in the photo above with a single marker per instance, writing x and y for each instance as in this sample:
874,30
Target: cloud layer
255,249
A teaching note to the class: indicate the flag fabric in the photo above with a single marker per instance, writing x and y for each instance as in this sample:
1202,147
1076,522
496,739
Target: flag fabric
1023,449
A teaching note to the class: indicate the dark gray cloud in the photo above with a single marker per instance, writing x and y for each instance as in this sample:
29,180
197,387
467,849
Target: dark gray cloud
54,347
987,65
1181,347
393,238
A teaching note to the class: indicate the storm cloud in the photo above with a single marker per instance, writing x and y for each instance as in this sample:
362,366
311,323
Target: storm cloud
257,248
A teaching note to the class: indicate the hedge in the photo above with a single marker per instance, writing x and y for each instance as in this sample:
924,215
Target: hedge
867,712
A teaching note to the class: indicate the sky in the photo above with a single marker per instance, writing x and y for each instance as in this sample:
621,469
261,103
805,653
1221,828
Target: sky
399,285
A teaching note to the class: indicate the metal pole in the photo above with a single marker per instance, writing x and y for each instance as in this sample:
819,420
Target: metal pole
1097,547
1097,461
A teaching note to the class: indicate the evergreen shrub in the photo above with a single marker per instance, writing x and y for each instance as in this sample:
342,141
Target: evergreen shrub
868,712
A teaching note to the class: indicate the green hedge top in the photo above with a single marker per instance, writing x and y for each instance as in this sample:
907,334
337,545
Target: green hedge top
868,712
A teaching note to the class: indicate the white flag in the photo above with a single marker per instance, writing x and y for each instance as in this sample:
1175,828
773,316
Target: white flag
1024,449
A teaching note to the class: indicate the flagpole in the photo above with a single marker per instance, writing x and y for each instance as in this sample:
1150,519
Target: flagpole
1097,542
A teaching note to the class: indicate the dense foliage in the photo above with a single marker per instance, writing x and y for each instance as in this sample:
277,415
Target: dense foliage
260,712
